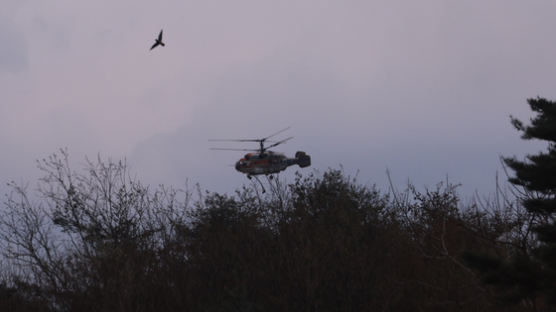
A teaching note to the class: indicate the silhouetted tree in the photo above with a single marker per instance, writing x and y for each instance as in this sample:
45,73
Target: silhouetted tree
93,240
527,275
99,240
21,297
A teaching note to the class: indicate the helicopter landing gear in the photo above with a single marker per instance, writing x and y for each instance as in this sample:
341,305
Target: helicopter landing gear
261,183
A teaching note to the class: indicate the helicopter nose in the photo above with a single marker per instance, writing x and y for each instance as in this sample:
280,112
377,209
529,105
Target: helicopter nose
237,166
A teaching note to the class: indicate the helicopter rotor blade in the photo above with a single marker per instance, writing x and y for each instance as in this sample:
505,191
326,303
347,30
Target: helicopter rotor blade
249,140
278,143
233,149
276,133
235,140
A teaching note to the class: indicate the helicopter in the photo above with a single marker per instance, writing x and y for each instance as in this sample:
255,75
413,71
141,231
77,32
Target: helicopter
264,161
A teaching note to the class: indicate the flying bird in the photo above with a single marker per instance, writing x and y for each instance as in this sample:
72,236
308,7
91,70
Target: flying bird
158,41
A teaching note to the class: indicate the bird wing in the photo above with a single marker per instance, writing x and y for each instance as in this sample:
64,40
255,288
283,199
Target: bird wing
154,45
160,35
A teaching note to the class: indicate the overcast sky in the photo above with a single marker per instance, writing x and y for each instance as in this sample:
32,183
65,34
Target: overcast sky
423,88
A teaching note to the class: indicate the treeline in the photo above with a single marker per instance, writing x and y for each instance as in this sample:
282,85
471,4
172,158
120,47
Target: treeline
99,240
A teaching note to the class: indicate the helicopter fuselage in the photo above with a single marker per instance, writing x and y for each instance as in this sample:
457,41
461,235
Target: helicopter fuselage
269,162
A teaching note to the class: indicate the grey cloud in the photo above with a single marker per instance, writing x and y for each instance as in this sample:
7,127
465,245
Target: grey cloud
422,121
13,50
423,88
250,101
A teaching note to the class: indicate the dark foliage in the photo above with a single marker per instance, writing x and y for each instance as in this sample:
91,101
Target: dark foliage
101,241
527,275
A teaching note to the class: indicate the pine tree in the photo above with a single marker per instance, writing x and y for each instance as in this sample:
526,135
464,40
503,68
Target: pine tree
538,174
530,275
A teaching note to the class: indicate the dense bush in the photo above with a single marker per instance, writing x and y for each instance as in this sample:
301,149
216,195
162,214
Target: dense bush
102,241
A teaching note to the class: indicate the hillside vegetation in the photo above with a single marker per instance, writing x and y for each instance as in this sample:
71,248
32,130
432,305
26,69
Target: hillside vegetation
98,240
